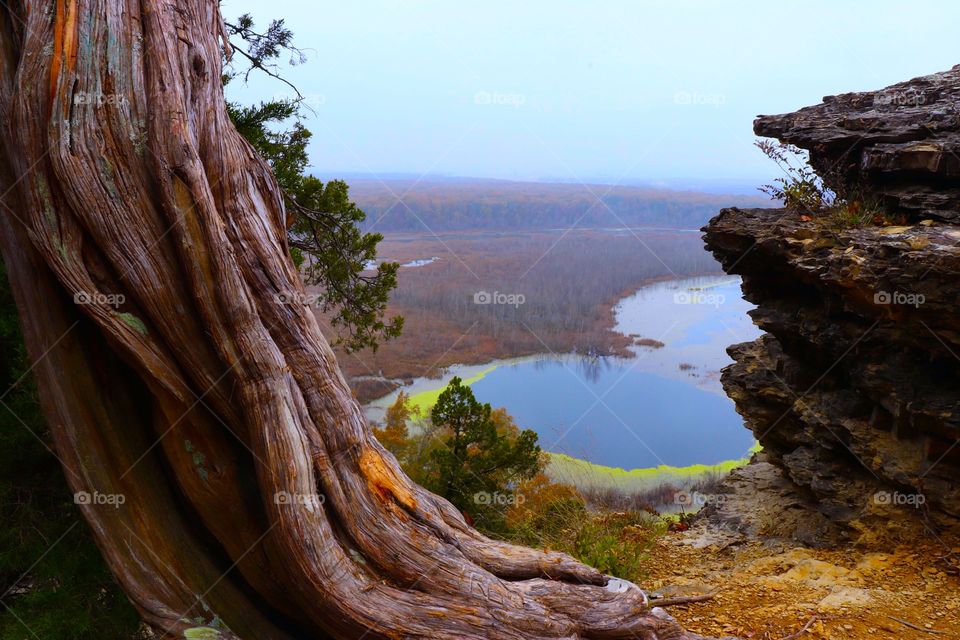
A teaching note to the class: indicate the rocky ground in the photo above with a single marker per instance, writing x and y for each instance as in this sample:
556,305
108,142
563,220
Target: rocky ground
897,580
774,590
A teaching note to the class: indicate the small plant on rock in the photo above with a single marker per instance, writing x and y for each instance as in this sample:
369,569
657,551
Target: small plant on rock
803,191
800,189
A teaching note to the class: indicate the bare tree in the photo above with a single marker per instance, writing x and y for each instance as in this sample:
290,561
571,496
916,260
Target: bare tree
180,367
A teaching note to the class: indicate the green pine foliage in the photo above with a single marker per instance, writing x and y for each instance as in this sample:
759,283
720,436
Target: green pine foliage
324,225
480,464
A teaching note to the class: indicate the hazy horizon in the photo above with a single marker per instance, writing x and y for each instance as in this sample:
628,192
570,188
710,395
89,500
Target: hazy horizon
718,186
648,94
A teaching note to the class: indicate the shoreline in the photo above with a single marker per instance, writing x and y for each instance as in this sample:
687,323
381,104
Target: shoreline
585,474
416,354
563,467
621,347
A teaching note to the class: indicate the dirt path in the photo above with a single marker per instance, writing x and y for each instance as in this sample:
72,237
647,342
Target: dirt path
772,590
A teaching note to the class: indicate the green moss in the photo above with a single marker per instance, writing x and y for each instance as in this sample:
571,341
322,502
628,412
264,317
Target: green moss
201,633
426,399
62,250
198,460
587,474
133,322
108,174
48,211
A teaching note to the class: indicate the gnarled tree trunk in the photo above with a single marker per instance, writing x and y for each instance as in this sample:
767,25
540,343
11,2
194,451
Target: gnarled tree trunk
146,246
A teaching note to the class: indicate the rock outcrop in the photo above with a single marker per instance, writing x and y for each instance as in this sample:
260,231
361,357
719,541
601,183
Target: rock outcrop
900,144
854,390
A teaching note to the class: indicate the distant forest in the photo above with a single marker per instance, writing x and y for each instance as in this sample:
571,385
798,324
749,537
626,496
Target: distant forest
448,204
569,283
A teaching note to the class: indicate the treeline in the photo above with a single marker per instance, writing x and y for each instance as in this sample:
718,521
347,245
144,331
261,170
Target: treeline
503,295
552,290
449,205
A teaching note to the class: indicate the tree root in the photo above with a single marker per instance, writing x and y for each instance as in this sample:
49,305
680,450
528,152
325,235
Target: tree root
257,496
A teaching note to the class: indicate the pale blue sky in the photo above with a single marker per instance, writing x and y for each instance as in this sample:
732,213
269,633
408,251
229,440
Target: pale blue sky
602,91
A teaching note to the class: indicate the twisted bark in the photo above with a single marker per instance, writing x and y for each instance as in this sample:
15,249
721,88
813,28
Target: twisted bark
146,246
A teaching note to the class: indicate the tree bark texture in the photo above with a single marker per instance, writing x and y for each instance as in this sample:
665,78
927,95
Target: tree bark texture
146,245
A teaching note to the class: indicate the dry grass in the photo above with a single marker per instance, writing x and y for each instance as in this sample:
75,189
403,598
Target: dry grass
569,285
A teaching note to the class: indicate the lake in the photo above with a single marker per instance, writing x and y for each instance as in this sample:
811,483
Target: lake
664,406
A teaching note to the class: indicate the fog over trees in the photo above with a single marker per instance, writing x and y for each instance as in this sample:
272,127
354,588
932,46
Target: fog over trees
438,205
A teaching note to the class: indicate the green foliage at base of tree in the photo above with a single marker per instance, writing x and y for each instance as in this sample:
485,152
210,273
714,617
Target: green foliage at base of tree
54,582
485,465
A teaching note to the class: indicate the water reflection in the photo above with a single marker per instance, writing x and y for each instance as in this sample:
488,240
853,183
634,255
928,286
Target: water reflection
663,406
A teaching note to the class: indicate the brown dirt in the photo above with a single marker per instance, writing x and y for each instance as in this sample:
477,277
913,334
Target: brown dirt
770,591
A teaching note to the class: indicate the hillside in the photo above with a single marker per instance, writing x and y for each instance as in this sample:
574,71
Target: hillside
449,204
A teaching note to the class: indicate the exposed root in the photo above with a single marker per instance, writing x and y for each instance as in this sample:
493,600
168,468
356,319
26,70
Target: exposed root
242,391
681,600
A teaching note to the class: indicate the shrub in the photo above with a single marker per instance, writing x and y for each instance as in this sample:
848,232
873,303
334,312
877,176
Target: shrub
554,516
800,189
543,510
617,543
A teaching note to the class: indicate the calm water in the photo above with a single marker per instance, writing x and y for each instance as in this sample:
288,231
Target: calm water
638,412
617,416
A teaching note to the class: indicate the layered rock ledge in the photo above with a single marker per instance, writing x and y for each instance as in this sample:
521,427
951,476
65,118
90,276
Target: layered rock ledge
854,390
900,144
